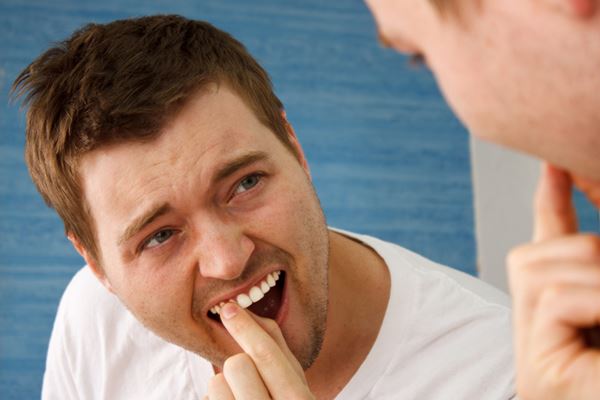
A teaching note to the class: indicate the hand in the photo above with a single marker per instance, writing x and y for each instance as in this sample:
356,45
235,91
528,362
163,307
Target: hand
266,370
555,283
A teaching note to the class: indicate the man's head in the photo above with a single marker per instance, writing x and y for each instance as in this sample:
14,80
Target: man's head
520,73
121,82
164,138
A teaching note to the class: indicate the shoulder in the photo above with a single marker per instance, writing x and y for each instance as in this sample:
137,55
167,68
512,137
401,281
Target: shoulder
403,263
453,330
95,339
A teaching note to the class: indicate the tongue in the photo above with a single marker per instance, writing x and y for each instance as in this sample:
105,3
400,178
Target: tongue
269,305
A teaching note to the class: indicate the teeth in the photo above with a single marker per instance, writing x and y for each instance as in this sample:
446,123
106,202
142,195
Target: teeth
255,294
264,287
243,300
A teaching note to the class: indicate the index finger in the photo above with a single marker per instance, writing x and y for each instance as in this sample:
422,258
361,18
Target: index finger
278,374
554,213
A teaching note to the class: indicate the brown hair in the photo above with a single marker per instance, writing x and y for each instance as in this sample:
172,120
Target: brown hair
119,82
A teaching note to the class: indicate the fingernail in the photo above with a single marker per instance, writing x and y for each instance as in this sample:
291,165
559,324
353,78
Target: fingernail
229,310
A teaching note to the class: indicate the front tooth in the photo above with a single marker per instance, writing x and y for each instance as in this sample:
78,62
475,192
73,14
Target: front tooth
243,300
264,286
270,280
256,294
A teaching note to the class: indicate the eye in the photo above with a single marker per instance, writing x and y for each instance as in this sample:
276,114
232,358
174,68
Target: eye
247,183
157,239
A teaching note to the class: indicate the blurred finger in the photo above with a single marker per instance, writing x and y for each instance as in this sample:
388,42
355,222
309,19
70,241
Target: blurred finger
529,281
562,313
582,247
554,213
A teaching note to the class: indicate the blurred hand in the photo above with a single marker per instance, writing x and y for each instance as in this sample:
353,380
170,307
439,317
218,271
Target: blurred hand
266,370
555,284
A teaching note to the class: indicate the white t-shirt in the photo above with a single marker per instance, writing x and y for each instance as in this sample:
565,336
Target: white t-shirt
445,335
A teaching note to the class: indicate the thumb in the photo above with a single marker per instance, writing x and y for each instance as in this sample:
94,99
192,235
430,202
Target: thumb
554,213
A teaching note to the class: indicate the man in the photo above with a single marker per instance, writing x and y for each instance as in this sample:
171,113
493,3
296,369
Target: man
524,74
160,143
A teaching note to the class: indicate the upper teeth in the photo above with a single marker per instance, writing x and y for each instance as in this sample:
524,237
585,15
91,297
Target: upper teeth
255,294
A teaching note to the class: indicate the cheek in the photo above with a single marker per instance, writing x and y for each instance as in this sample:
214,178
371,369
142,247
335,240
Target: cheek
157,298
469,91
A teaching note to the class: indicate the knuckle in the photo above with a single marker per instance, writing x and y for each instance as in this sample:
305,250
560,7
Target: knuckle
514,255
522,276
551,296
237,362
263,353
215,382
590,246
514,259
304,395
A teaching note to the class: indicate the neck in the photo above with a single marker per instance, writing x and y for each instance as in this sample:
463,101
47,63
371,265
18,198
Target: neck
359,287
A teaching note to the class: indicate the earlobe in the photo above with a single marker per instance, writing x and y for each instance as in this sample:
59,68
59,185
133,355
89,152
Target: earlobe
296,144
91,262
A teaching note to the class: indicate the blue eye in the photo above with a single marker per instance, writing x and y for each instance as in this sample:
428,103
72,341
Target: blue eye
248,183
157,239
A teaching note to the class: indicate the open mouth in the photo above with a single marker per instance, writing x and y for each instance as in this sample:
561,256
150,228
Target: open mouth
263,299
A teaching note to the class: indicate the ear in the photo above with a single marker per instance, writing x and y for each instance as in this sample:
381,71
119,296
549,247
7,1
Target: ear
296,144
578,8
91,262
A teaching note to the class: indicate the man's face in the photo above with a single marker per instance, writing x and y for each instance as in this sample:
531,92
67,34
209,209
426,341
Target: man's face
508,71
204,213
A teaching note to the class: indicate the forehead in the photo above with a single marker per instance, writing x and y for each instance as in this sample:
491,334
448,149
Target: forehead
212,128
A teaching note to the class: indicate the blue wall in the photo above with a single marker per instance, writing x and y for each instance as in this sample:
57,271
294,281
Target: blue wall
388,157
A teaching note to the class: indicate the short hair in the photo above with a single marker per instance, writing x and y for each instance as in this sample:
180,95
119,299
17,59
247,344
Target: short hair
123,81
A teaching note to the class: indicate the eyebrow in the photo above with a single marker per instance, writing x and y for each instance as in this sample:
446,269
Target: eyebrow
238,163
142,221
159,210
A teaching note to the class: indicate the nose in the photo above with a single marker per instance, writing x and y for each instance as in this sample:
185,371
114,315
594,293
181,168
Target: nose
224,251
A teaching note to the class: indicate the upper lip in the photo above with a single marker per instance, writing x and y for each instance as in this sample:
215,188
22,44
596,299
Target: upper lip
241,289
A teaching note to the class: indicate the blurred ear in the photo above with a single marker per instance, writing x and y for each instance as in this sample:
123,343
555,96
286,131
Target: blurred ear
577,8
296,144
92,264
